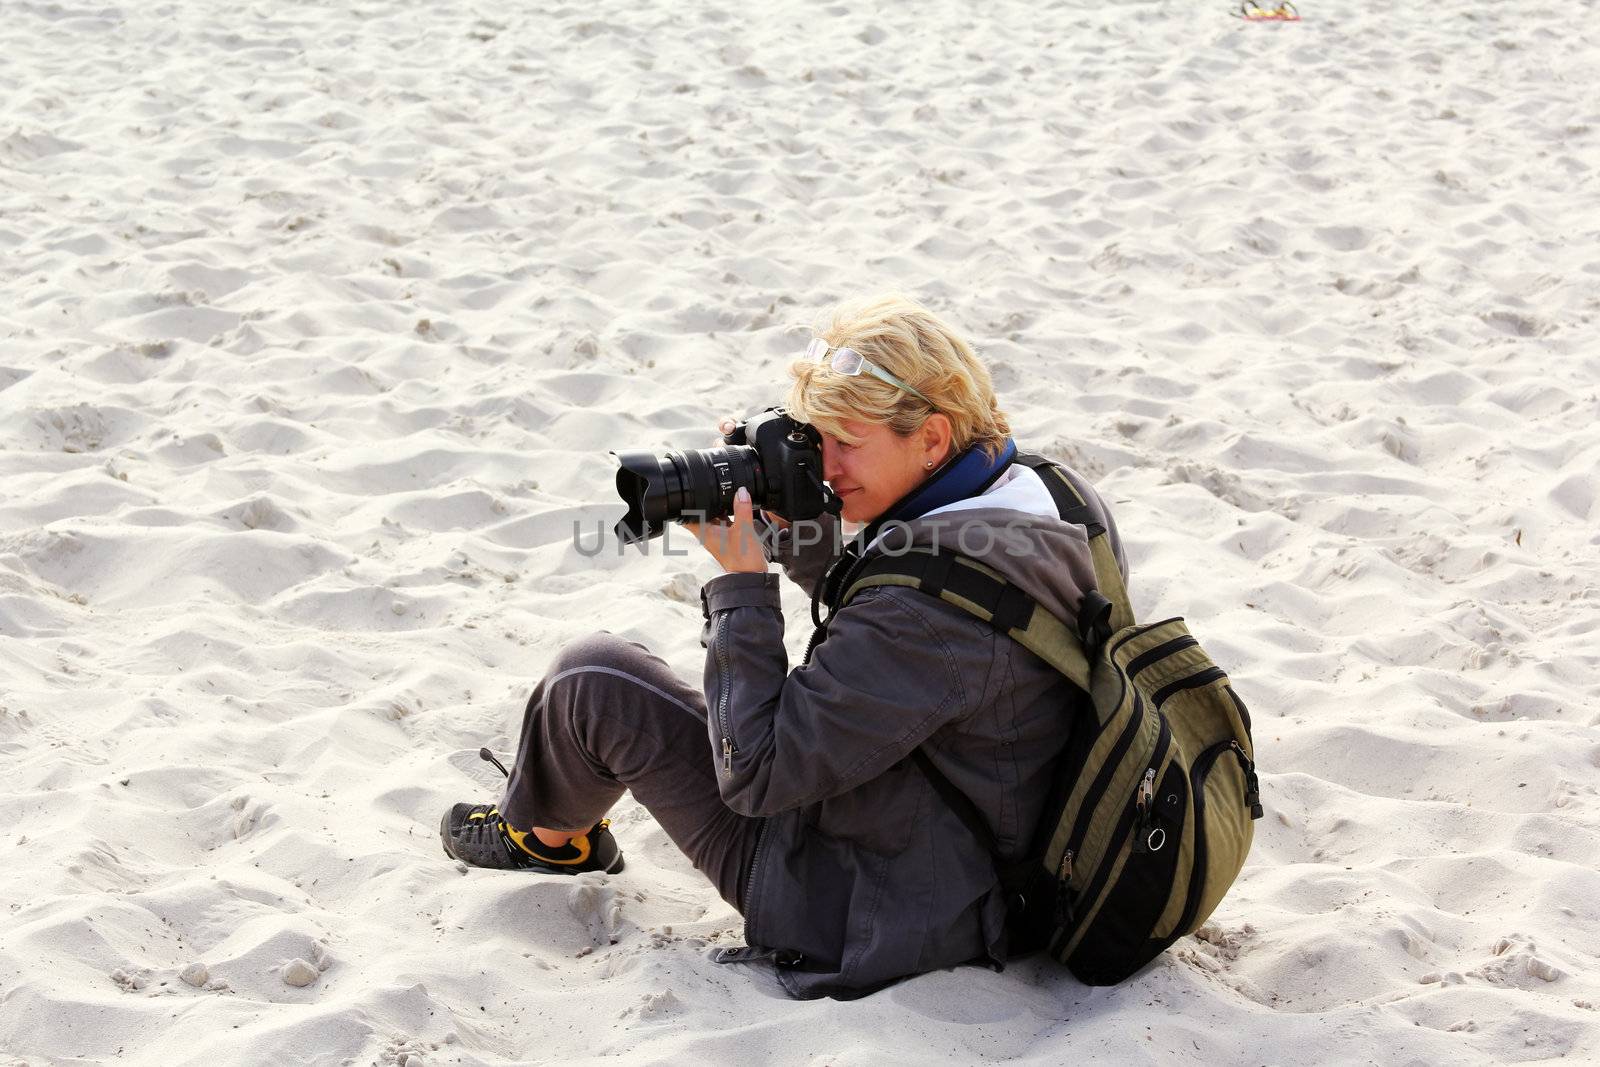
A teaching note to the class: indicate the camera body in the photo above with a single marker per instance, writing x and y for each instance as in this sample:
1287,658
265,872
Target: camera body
778,459
790,465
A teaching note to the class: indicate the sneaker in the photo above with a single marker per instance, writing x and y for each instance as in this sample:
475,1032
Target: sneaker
477,836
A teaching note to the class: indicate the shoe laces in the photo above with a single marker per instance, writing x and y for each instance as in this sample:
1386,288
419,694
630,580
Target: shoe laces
487,756
511,846
491,818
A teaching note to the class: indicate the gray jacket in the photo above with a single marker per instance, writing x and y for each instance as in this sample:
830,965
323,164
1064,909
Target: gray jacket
862,873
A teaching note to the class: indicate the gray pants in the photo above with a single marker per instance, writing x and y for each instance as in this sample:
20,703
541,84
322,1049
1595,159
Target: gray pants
608,716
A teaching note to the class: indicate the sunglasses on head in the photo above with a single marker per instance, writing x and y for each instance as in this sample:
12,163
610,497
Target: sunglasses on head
849,362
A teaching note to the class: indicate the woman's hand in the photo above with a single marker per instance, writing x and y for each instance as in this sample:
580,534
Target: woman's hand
733,541
725,427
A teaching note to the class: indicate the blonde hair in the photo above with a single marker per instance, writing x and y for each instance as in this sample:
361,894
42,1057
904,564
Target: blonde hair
906,339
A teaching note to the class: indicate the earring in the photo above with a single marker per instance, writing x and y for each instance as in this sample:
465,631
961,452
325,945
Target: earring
929,464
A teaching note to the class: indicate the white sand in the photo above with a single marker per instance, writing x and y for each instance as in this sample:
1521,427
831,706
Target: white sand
318,320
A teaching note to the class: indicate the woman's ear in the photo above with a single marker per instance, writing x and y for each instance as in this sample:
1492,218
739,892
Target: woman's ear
937,437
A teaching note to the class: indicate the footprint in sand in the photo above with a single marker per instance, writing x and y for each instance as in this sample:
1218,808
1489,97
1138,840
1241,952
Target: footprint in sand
599,907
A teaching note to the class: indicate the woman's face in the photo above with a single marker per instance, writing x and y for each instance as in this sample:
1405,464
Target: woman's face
882,466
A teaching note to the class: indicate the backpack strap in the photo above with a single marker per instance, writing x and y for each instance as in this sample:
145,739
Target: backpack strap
1076,510
959,802
982,592
1018,876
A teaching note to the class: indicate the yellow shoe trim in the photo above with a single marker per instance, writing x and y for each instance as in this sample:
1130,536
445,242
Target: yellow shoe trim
520,839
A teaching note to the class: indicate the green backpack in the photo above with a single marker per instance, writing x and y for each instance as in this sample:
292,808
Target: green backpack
1150,817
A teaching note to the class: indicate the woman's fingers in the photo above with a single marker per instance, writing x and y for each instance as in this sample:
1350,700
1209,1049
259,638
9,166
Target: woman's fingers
741,515
733,541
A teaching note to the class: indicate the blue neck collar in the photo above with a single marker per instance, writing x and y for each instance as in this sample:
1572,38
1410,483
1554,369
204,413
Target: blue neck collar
964,475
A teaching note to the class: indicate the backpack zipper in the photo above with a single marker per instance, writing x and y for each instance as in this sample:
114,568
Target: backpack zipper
1080,829
1064,915
1161,651
1124,825
1244,712
1144,800
1197,775
1064,894
1194,681
1252,784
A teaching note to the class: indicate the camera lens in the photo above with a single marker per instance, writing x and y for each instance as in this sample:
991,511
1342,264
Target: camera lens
697,483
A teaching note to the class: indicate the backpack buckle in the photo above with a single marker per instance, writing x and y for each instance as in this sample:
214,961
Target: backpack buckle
1094,622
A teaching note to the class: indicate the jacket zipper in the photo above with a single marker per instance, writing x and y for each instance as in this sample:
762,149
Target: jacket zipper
750,881
721,644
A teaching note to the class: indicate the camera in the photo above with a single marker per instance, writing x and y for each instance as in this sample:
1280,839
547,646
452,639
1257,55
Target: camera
778,459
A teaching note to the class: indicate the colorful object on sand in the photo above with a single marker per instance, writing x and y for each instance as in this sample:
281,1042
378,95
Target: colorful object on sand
1251,11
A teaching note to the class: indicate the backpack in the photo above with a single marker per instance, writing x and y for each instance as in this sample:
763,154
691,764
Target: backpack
1153,800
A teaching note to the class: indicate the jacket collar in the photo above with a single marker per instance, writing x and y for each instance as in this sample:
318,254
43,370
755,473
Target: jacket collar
966,474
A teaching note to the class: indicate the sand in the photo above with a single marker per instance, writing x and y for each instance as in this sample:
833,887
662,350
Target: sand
317,323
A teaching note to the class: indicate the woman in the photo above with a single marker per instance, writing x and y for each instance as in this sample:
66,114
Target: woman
804,810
